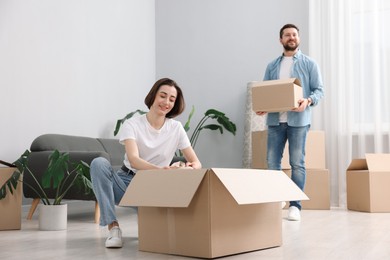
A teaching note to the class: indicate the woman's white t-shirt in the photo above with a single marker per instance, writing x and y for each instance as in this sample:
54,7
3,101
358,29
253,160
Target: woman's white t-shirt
155,146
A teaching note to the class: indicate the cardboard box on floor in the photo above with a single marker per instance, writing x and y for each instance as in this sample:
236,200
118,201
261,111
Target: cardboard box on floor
315,151
11,205
209,213
368,183
276,95
317,188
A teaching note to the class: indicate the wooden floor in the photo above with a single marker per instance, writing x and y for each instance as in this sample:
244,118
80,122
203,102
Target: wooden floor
322,234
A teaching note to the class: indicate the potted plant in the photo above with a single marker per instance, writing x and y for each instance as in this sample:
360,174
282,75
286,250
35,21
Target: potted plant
61,174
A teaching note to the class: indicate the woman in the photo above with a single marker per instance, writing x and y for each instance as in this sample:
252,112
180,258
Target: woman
150,142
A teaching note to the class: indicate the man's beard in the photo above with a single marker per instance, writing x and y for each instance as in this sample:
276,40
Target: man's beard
290,48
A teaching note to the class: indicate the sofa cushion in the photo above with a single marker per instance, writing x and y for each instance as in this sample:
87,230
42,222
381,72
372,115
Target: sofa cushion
115,150
50,142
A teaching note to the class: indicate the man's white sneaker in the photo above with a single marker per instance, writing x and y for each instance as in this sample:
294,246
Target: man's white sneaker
294,214
114,239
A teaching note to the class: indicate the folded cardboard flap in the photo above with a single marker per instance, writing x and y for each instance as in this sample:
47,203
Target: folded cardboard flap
173,188
357,164
251,186
378,162
176,188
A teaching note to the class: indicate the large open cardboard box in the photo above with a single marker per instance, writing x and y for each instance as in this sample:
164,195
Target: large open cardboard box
11,205
276,95
368,182
315,150
209,213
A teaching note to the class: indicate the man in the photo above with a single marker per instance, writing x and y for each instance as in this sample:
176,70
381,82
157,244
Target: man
292,126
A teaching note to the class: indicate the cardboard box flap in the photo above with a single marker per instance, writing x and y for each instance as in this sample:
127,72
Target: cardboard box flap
378,162
357,164
250,186
279,81
172,189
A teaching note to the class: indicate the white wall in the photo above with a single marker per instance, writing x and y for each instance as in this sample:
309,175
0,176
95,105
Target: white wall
72,67
75,66
212,49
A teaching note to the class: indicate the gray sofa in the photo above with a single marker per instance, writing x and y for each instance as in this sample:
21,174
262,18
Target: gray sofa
79,148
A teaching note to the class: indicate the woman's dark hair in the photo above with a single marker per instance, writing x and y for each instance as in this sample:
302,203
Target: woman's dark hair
179,106
289,25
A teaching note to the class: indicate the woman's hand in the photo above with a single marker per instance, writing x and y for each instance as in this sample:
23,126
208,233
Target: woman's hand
179,165
193,165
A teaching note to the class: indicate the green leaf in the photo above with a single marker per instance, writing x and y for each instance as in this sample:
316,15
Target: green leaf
58,166
11,183
213,127
213,113
21,163
227,124
83,177
119,122
187,124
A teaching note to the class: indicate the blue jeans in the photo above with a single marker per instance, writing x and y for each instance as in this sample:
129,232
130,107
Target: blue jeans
109,187
296,137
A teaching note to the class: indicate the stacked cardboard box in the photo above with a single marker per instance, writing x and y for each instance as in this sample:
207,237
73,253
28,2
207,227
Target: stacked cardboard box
368,183
317,186
209,213
11,205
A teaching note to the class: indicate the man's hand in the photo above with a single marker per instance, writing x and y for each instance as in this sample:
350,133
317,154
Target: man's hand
303,104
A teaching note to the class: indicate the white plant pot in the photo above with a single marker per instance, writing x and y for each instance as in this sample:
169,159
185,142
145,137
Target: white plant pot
53,217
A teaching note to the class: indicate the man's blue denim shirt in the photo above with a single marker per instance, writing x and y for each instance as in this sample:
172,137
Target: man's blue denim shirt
307,71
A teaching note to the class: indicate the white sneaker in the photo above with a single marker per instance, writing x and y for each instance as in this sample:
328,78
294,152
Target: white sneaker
114,240
294,214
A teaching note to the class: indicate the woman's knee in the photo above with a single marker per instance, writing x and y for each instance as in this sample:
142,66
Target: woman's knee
99,165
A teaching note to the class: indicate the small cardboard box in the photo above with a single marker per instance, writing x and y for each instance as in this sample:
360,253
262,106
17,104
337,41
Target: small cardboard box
209,213
368,183
315,151
11,205
317,188
276,95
